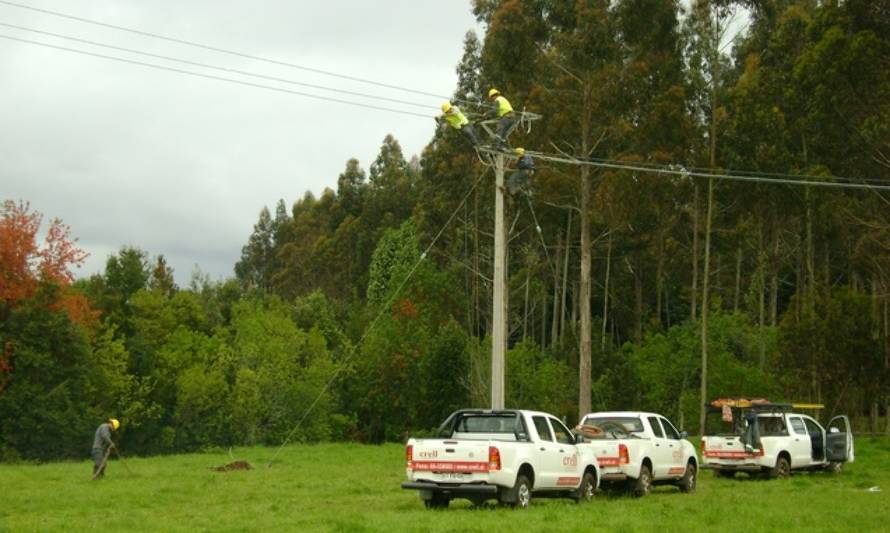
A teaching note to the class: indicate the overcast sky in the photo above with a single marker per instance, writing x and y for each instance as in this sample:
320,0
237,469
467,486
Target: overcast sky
181,166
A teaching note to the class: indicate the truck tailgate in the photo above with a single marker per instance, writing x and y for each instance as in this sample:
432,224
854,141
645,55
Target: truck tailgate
607,455
727,450
439,456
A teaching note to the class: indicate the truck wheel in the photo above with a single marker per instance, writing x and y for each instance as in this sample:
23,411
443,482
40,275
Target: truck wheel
643,484
438,501
587,491
687,482
781,470
835,468
521,494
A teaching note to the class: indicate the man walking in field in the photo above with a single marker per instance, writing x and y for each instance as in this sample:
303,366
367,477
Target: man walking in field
102,446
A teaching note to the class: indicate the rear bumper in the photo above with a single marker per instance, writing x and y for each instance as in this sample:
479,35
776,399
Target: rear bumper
457,489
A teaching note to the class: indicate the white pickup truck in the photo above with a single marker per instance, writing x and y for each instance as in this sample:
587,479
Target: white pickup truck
639,450
770,439
506,455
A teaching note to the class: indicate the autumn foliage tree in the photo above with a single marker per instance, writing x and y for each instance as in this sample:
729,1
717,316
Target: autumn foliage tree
23,262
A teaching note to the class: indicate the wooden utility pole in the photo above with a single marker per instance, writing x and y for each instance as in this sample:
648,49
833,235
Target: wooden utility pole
499,299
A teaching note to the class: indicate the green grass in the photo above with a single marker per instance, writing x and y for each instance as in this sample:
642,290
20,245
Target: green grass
349,487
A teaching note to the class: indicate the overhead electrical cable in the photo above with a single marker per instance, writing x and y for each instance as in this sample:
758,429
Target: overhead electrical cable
699,174
215,67
673,169
740,172
219,78
219,49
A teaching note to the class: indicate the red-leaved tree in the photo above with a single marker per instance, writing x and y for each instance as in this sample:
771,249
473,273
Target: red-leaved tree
23,263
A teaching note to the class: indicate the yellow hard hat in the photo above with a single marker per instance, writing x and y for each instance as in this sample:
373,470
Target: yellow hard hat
492,92
446,107
519,151
115,423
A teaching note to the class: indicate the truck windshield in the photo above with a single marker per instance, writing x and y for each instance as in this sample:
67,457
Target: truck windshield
612,427
484,425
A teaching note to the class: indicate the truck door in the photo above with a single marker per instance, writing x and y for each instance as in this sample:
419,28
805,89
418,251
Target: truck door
569,473
799,443
548,451
839,440
661,453
817,440
677,465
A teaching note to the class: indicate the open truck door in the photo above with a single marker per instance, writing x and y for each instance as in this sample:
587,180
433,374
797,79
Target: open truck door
839,440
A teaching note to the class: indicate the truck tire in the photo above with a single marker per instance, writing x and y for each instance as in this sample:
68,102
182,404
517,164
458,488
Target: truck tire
642,486
438,501
689,479
835,468
587,491
521,493
781,470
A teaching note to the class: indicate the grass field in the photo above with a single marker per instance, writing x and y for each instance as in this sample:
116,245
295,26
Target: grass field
350,487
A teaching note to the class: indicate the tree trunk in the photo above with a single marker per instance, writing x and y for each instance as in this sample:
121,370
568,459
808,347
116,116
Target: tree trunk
554,331
774,279
693,299
810,252
638,300
761,291
738,279
528,283
584,346
659,275
565,276
704,308
606,294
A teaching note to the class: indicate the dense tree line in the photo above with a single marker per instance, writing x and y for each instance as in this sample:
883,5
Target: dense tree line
341,309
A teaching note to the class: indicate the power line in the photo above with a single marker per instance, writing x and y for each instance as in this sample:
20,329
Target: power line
212,77
698,174
218,49
742,172
214,67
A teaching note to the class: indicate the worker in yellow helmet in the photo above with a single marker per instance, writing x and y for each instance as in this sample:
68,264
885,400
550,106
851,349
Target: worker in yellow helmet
502,109
102,445
525,171
457,120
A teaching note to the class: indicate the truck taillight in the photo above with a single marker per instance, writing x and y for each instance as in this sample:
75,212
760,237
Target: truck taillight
623,456
409,455
494,458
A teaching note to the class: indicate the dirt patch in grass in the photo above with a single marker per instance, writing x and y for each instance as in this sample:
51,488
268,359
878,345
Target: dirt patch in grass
237,465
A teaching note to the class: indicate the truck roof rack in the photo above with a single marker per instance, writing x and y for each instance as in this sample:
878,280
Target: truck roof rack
761,405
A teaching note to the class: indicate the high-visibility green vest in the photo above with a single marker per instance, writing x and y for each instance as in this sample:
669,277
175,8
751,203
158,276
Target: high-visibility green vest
456,118
504,106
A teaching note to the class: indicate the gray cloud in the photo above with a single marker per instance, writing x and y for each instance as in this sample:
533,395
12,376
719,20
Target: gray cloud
181,166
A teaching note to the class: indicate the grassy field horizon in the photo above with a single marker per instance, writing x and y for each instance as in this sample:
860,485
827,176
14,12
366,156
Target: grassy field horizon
354,487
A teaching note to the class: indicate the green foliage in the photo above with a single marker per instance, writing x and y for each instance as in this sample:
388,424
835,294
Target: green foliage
667,365
536,380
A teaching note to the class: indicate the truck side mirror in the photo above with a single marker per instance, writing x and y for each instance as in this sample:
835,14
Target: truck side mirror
684,434
579,438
